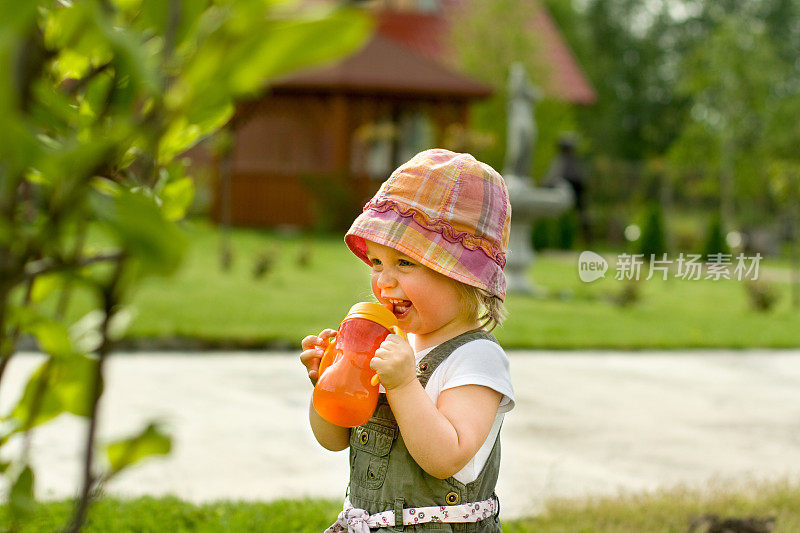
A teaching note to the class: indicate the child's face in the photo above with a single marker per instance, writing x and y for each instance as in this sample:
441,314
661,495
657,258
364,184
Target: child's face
425,302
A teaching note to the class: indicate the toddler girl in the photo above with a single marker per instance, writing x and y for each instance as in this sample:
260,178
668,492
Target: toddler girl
435,236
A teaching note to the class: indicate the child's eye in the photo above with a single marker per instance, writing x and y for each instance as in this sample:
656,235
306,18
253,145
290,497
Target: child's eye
375,262
405,262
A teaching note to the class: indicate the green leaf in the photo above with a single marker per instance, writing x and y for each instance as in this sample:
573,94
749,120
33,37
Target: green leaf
53,108
181,134
129,7
125,452
106,186
142,230
191,12
70,166
21,498
57,386
132,57
97,93
45,285
17,141
81,45
64,25
17,16
71,64
6,232
153,15
293,44
52,337
238,56
177,198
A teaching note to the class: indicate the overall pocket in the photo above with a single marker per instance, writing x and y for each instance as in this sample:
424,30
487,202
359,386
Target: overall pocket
369,447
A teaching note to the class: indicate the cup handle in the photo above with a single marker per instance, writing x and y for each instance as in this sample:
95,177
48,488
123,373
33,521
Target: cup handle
397,331
327,356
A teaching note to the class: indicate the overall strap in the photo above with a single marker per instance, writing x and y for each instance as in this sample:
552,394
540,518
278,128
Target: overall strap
432,360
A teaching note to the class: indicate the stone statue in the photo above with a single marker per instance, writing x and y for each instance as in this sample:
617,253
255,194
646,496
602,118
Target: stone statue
527,202
521,128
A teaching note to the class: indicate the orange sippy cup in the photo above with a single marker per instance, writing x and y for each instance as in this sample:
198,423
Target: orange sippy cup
346,392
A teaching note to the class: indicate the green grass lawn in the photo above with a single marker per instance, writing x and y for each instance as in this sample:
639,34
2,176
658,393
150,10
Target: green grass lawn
668,314
665,511
235,309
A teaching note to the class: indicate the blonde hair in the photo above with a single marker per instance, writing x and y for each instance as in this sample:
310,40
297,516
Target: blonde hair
479,304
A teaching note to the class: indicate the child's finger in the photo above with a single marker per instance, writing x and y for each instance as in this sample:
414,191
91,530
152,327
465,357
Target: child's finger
326,334
378,365
382,361
395,339
309,342
382,352
310,358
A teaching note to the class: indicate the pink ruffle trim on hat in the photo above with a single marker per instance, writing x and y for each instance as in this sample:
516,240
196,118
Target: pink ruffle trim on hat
441,226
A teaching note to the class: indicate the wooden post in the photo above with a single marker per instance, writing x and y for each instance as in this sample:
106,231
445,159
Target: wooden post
462,110
341,136
438,112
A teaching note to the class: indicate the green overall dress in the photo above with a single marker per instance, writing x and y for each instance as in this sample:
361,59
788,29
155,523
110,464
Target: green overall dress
384,476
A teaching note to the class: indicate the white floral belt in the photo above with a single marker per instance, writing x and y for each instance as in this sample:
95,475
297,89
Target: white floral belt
353,520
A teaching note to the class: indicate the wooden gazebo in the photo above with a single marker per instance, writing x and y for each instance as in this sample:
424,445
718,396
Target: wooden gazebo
348,124
332,135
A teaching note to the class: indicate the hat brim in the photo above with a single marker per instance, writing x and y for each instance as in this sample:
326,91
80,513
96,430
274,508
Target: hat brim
427,246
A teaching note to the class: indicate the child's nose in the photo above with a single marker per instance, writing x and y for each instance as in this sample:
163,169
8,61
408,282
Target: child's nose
386,279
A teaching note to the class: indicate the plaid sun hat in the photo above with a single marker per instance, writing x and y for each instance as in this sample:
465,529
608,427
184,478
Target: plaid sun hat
446,210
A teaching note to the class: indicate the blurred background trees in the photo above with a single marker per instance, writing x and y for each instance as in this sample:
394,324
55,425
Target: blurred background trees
487,39
696,101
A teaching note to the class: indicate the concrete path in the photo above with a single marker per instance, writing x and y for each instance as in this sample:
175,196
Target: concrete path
585,424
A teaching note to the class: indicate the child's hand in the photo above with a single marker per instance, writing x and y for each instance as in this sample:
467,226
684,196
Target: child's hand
313,347
394,362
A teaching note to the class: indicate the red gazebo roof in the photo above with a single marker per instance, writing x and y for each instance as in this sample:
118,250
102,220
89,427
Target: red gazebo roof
385,66
427,34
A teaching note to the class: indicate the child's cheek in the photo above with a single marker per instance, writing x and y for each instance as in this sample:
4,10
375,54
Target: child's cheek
374,284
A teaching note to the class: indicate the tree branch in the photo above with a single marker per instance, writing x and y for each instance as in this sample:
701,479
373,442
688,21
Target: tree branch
8,344
110,301
48,265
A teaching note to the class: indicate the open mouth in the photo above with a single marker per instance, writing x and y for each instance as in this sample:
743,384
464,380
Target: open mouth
400,308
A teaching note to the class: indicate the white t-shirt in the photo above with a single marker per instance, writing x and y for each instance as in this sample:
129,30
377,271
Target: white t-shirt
478,362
